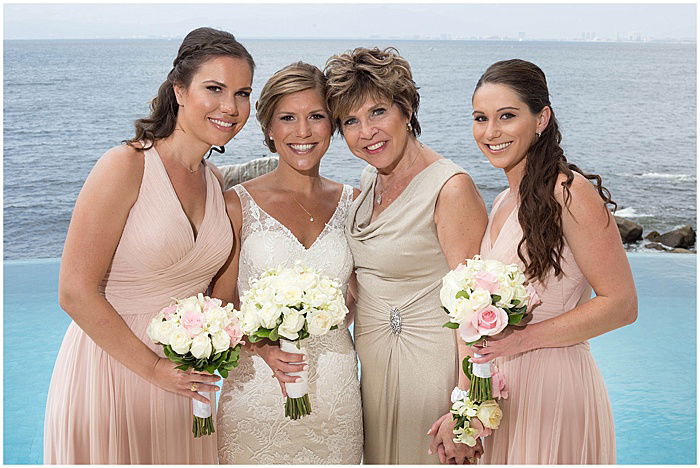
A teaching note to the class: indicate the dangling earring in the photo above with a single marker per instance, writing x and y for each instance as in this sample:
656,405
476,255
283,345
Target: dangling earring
409,127
538,134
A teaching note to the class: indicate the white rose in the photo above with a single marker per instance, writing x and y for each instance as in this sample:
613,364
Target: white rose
315,297
495,267
292,322
289,295
152,330
201,346
249,318
269,315
506,292
462,311
520,294
189,304
163,331
319,322
479,299
221,341
180,340
451,285
307,280
338,311
215,319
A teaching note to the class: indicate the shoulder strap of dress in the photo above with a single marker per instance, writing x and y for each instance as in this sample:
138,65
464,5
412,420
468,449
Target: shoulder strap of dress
436,176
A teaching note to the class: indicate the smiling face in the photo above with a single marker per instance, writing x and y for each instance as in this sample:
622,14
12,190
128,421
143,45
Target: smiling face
216,104
301,129
504,128
376,132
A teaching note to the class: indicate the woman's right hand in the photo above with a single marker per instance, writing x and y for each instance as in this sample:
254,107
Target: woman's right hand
281,362
173,380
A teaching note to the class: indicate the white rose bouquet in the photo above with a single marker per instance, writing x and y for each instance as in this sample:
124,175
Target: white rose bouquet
483,297
199,332
289,305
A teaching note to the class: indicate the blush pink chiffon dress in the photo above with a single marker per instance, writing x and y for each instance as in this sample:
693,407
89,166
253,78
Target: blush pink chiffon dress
557,410
100,412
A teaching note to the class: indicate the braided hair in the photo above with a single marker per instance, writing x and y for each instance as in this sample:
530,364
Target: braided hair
198,46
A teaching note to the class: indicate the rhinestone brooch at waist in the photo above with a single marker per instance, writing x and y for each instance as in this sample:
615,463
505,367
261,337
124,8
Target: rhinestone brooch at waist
395,320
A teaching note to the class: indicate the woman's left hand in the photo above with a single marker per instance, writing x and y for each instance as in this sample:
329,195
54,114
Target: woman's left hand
510,341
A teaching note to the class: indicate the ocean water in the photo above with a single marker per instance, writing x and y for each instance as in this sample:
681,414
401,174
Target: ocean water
627,112
649,367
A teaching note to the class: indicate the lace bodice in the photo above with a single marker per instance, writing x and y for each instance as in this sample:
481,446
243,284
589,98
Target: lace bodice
267,243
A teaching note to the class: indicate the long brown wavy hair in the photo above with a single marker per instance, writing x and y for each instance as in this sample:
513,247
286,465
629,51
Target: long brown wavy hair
198,46
540,213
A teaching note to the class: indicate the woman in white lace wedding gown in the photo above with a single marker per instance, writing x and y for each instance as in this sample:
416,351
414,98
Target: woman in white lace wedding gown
251,425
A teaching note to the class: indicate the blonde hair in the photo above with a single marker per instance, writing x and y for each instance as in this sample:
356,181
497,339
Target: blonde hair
371,73
291,79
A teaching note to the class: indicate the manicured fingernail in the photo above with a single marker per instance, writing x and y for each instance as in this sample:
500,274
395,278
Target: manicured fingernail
306,367
430,451
297,379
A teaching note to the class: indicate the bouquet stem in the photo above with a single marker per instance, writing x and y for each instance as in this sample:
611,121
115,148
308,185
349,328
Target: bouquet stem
480,382
202,426
295,408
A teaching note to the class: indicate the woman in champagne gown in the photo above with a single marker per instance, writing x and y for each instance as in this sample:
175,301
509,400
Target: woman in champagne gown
149,225
557,410
291,214
417,216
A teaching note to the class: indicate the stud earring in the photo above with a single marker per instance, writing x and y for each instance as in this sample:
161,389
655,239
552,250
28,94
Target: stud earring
409,127
538,134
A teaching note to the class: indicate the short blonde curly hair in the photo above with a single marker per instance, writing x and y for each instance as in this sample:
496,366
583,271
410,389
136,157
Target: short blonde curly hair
298,76
371,73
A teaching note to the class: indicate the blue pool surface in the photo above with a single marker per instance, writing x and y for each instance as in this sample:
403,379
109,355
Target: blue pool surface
649,367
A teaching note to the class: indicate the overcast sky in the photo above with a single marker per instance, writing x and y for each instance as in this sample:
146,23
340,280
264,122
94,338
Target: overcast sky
536,21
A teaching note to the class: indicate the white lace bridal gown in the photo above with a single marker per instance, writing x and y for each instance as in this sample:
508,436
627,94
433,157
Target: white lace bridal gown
251,427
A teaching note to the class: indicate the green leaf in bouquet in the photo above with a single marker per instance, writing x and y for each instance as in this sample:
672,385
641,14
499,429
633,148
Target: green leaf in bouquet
516,303
211,368
451,325
515,319
273,335
334,327
254,338
467,367
495,298
224,373
445,309
463,294
262,332
183,367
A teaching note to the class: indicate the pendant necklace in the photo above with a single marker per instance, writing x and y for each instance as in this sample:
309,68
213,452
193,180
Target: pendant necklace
311,217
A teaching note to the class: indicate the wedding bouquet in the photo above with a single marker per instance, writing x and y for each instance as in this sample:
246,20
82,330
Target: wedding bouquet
289,305
198,332
483,297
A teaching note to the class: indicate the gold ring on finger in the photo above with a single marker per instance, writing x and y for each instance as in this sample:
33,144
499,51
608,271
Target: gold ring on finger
194,386
485,343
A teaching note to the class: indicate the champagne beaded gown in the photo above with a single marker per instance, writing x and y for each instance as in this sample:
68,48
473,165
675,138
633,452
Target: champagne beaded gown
409,362
252,426
557,410
100,412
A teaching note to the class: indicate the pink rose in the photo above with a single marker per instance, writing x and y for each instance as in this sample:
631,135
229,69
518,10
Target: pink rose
487,280
192,322
479,426
235,331
490,320
467,331
534,299
498,386
169,311
210,304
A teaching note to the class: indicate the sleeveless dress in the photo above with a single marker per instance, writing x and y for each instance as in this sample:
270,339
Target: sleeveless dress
97,410
252,426
409,361
557,410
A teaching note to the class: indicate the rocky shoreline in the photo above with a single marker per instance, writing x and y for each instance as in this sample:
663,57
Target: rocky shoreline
680,240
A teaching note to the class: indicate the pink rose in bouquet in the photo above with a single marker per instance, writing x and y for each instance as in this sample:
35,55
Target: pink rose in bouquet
498,385
489,321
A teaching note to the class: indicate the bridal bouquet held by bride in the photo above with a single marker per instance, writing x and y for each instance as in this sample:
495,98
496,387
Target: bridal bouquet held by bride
289,305
482,298
197,332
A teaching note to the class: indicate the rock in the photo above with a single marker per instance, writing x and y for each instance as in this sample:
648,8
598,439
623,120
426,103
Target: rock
656,246
653,236
238,173
685,251
682,237
629,230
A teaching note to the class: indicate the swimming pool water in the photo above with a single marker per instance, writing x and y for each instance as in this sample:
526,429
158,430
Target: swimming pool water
649,367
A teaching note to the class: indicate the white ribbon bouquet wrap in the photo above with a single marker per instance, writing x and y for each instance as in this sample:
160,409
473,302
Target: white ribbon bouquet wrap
199,333
482,298
289,305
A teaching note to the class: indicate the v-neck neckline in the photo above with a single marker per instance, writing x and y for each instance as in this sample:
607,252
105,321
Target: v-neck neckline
418,175
493,240
194,235
288,231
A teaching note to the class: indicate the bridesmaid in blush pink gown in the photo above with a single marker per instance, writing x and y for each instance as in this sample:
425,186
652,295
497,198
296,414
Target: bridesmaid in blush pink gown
554,222
150,224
